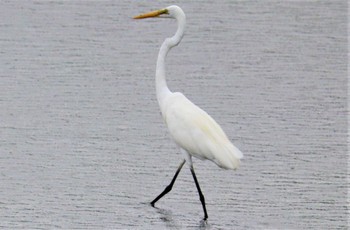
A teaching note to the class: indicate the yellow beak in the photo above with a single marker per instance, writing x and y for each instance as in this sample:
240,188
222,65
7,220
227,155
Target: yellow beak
152,14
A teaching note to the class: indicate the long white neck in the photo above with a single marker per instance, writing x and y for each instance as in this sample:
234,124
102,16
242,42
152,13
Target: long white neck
161,85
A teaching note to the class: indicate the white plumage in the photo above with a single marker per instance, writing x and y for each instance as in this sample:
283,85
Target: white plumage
193,130
198,133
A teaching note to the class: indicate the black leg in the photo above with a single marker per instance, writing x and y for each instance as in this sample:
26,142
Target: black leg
170,186
201,196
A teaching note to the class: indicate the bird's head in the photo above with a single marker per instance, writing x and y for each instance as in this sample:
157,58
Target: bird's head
168,12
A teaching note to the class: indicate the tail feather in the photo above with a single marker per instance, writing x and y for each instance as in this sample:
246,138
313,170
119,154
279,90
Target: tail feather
229,157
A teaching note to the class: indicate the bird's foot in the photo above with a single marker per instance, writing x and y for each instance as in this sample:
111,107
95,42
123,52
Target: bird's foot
203,223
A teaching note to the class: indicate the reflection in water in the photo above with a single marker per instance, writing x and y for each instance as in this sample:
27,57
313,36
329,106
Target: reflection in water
167,217
172,222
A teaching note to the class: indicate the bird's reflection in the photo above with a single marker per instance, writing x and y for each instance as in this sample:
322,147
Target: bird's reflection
167,217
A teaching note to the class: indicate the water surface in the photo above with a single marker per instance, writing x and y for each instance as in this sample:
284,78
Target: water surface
82,143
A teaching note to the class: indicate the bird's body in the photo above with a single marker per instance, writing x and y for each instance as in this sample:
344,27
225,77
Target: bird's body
193,130
196,132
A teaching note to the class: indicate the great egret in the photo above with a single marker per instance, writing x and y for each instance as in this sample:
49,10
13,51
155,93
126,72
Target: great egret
193,130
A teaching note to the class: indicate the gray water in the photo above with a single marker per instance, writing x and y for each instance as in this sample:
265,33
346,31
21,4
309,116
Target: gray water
83,145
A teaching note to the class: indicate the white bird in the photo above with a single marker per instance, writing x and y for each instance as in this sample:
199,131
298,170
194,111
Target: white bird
193,130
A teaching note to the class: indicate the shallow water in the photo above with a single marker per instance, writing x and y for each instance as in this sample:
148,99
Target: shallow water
82,143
